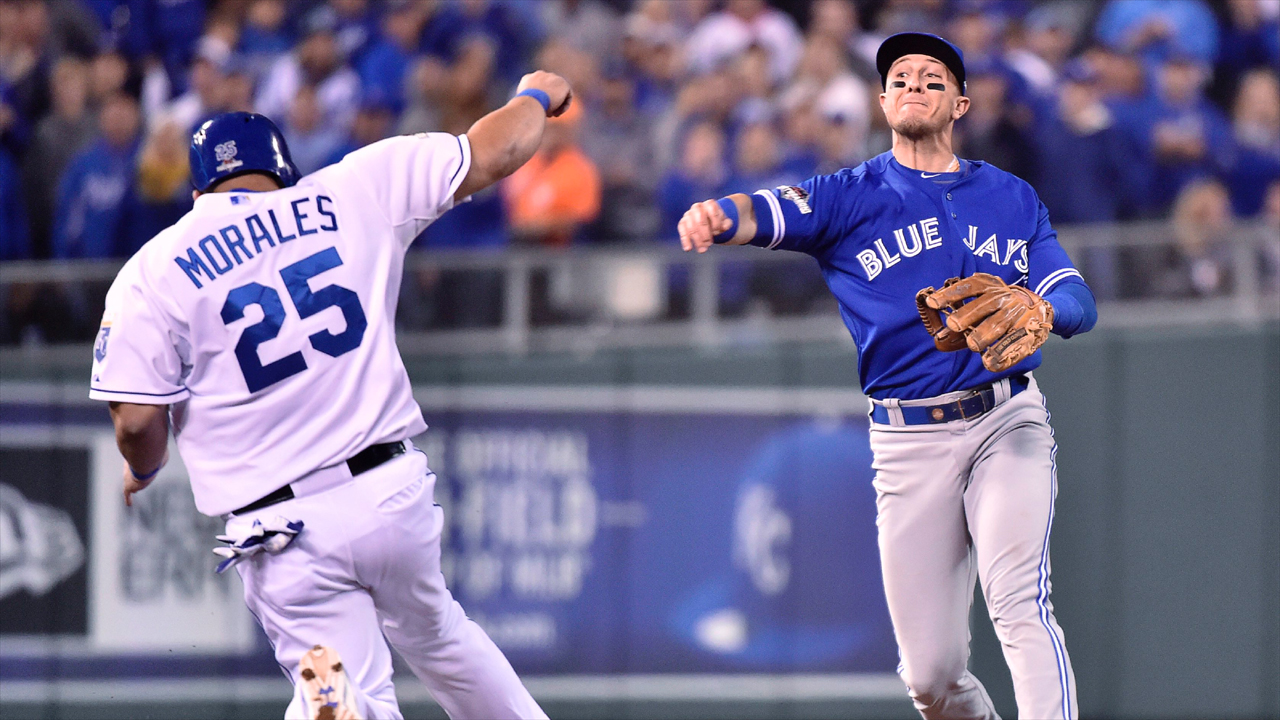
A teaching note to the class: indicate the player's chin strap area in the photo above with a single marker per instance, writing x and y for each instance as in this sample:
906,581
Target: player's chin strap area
273,536
964,405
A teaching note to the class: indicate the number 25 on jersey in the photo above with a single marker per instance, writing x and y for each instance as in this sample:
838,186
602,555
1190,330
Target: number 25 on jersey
258,376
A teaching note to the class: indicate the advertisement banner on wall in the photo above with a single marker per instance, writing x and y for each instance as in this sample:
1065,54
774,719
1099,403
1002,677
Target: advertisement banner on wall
44,526
715,531
152,579
655,543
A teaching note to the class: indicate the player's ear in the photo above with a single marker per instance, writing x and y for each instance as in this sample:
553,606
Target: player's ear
960,108
195,194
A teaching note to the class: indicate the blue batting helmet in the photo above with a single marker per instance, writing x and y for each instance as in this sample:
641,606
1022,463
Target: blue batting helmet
236,143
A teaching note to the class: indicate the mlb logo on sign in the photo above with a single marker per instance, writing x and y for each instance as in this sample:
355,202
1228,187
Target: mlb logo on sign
226,156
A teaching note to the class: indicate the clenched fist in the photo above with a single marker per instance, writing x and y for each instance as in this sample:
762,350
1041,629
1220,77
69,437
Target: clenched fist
701,223
556,88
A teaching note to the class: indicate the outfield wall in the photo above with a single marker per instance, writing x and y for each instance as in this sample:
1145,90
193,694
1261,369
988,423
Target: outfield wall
634,474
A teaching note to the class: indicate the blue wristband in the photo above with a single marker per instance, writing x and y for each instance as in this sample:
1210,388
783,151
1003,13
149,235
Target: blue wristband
731,212
538,95
148,476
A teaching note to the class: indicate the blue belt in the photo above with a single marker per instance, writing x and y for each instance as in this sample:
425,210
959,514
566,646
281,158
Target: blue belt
981,401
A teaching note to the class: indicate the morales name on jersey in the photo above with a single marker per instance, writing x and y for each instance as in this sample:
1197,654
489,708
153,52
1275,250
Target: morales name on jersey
228,244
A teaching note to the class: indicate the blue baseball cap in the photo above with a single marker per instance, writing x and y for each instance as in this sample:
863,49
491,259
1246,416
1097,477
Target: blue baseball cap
914,43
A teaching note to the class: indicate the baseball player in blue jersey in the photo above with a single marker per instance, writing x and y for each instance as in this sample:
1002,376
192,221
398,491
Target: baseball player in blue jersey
963,450
260,328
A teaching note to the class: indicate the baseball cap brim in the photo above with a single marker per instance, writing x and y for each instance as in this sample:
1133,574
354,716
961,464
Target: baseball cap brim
912,43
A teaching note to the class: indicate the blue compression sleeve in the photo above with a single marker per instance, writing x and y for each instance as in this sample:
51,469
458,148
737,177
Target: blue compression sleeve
764,222
1074,309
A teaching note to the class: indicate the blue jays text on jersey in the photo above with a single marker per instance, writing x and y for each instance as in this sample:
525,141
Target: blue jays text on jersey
229,243
882,231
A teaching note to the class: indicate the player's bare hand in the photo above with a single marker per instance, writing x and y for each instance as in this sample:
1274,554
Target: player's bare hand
556,88
700,224
133,485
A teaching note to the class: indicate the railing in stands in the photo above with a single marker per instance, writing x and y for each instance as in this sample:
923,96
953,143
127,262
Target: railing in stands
589,298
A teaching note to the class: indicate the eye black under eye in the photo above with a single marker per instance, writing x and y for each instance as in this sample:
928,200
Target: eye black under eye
897,84
936,86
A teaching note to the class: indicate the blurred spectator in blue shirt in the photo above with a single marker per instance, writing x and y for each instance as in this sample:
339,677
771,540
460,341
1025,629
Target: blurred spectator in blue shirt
109,75
264,37
650,50
384,67
1159,29
838,20
311,142
1186,135
93,195
1048,35
759,161
1256,121
355,26
824,84
907,16
618,139
373,122
699,175
992,131
590,26
206,88
317,61
167,31
1250,39
513,33
162,192
1088,170
24,71
58,137
15,243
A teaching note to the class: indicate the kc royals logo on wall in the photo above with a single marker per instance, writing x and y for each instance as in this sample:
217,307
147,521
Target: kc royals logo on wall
226,156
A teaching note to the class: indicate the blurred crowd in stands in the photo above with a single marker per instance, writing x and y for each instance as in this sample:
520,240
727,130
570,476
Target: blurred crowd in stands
1113,111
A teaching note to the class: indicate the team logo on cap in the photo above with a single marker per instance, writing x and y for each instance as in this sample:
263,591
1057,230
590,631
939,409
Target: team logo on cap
226,156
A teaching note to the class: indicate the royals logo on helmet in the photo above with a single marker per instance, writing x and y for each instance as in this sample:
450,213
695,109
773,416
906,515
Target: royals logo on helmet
226,156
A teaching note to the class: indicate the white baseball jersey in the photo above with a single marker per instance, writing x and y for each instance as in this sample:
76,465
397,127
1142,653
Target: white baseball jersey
267,320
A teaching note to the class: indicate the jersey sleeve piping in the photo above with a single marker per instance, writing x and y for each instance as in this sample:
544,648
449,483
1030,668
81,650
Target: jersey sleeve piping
779,223
141,398
1056,277
464,165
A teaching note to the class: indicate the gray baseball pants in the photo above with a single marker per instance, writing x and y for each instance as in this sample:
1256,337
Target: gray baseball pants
963,500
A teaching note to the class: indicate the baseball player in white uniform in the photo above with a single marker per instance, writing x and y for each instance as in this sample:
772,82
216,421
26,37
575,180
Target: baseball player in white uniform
260,328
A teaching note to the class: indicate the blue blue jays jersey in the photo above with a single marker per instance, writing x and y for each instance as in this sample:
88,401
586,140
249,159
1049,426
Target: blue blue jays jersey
882,231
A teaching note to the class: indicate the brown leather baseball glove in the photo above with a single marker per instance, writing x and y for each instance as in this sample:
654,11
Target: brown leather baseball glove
1003,323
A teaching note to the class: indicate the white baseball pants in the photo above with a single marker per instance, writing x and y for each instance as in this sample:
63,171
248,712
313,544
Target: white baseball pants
963,499
366,565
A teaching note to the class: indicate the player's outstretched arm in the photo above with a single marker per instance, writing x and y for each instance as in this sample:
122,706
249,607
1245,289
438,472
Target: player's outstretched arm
706,223
142,434
506,138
